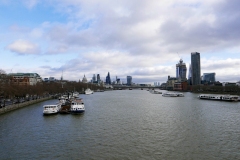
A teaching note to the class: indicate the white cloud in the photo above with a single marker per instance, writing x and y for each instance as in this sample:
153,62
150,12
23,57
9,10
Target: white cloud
30,3
23,47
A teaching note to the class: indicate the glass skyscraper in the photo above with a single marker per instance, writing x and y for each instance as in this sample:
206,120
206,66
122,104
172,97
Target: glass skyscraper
209,77
129,80
196,68
181,71
108,79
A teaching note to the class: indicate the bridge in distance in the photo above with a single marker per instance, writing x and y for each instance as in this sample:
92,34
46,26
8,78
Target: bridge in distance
134,87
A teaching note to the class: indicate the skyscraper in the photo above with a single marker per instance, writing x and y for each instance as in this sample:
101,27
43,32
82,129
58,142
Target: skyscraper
181,71
196,68
98,78
129,80
108,79
93,78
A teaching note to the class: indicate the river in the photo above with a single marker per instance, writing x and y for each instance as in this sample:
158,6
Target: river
125,124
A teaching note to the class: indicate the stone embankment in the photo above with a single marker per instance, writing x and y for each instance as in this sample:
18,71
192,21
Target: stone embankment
21,105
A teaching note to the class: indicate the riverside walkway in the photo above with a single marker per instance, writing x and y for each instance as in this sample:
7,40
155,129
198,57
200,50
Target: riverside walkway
21,105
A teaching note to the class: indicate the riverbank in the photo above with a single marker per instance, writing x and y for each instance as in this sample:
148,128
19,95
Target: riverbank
21,105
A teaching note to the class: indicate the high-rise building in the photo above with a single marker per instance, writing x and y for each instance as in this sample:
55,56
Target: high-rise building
108,79
181,71
129,80
209,77
93,78
98,78
196,68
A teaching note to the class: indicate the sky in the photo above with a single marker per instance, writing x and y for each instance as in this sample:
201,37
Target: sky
144,39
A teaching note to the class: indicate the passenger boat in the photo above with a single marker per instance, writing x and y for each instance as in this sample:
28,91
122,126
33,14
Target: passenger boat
51,109
231,98
172,94
65,106
75,94
88,91
155,92
77,106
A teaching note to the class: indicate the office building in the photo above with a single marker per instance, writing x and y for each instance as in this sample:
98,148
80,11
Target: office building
98,78
209,77
181,71
93,78
196,68
129,80
108,79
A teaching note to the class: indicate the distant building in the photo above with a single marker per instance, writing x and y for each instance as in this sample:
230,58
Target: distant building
98,78
190,75
51,79
118,81
129,80
181,71
94,78
84,80
196,68
108,79
208,77
25,78
170,83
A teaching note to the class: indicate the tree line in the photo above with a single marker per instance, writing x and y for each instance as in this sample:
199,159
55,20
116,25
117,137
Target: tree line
11,90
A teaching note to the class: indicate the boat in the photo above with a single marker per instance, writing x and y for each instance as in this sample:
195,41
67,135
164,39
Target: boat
231,98
88,91
155,92
75,94
65,106
172,94
51,109
77,106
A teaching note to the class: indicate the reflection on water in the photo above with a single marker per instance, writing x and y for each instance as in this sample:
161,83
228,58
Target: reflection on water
131,124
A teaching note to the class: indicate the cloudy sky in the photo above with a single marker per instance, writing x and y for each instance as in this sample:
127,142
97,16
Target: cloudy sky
141,38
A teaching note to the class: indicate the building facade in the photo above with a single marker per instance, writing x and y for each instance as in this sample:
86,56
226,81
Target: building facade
25,78
98,78
129,80
181,71
209,77
195,68
108,79
84,80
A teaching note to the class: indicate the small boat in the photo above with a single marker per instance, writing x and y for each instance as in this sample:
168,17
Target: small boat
77,106
51,109
231,98
75,94
65,107
88,91
155,92
172,94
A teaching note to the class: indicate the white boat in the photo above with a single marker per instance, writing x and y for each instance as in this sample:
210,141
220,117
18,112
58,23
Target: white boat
231,98
172,94
155,92
88,91
77,106
51,109
75,94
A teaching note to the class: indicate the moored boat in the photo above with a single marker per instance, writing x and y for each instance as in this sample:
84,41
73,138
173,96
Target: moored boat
88,91
77,106
230,98
75,94
51,109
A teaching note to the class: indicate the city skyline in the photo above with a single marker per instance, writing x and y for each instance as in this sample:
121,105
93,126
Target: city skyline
141,39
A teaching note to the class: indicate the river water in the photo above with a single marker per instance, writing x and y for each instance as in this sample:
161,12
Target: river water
125,124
